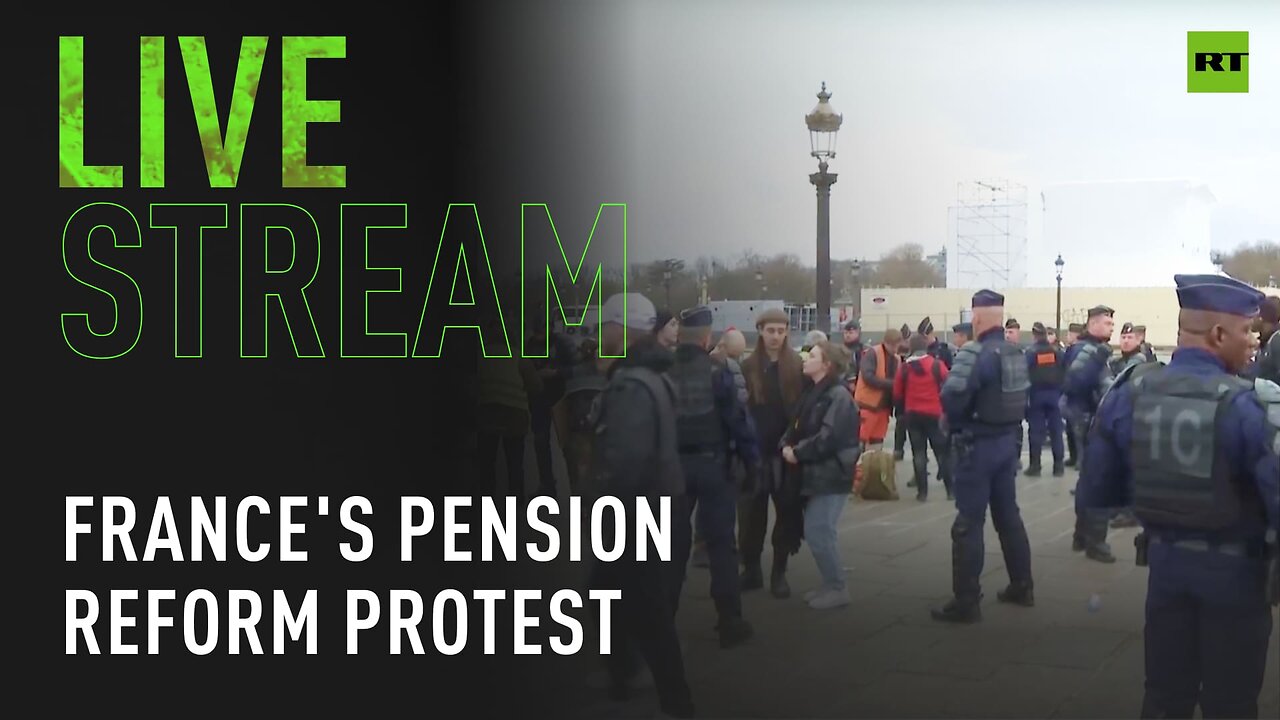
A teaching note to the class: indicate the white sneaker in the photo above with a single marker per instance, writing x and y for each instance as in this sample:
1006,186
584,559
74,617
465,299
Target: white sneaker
811,594
829,599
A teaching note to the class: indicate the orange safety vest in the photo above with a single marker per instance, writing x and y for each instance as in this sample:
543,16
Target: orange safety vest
866,396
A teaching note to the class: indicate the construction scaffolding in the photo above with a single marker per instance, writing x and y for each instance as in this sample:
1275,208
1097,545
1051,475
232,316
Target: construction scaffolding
989,235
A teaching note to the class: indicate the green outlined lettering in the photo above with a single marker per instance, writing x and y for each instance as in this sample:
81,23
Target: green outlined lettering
357,219
188,222
151,113
288,285
466,250
605,249
296,111
116,284
222,158
72,172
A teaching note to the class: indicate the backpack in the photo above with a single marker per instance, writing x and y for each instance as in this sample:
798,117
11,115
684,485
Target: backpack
878,479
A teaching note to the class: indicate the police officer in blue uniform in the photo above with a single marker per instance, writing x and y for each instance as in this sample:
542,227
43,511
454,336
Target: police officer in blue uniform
984,401
708,418
1046,369
1088,377
1195,449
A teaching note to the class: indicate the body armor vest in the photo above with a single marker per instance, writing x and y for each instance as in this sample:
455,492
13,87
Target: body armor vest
1004,402
698,425
1181,478
1046,367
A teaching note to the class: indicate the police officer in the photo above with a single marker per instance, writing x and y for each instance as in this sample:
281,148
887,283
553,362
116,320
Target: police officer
1087,378
984,400
1195,448
1144,347
1073,336
1013,334
1130,350
708,419
636,455
961,333
1046,370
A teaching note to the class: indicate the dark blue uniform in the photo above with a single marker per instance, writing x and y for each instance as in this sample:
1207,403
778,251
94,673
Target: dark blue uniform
1047,369
1088,377
1196,451
984,400
709,421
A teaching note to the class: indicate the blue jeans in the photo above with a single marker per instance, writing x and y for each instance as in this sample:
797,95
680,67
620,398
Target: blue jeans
821,515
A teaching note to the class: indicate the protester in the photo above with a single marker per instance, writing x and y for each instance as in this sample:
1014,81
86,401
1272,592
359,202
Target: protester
774,384
874,392
821,445
666,329
636,455
919,383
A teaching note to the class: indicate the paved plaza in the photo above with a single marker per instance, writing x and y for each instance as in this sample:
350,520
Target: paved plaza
883,656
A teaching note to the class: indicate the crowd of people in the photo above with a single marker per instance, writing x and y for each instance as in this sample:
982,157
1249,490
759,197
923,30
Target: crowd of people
654,407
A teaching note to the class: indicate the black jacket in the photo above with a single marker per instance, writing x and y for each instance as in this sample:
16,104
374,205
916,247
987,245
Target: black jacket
635,451
824,436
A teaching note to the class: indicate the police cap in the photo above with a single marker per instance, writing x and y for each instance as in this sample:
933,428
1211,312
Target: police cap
988,298
925,327
1075,328
1097,310
853,325
697,316
1217,293
966,328
1012,324
1126,328
1039,329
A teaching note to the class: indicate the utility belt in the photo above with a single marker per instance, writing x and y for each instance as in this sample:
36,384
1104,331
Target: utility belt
1234,549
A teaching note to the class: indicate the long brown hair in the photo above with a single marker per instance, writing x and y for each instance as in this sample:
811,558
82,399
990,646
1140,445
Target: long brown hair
790,374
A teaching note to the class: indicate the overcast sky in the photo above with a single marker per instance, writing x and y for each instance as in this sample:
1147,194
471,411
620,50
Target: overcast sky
932,93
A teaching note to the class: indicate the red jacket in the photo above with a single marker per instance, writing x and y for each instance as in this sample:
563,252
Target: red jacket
919,380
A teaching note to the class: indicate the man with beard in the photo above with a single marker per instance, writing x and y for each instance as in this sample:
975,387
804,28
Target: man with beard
774,383
853,342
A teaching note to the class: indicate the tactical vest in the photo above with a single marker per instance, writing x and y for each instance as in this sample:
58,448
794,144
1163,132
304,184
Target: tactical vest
1089,350
1181,478
1046,367
1005,402
669,477
698,425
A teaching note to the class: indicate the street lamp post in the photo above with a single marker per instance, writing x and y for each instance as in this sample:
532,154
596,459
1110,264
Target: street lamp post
760,282
1057,319
666,284
855,272
823,124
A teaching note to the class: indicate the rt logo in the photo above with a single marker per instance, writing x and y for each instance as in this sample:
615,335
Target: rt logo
1217,62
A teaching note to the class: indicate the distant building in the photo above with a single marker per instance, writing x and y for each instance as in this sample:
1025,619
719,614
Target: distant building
939,263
